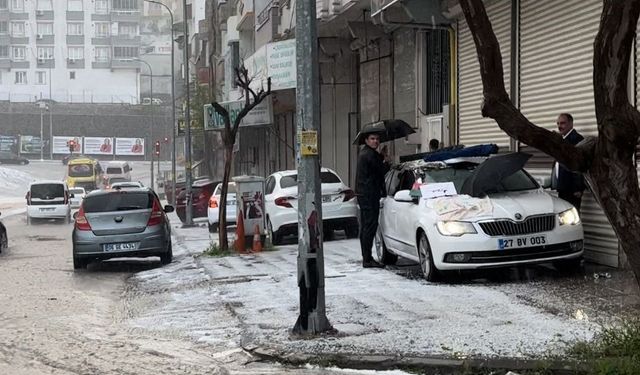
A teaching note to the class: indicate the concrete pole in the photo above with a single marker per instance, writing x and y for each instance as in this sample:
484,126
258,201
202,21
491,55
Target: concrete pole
188,209
312,319
50,116
151,141
41,131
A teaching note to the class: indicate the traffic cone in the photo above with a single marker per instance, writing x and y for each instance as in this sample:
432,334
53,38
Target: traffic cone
239,242
257,243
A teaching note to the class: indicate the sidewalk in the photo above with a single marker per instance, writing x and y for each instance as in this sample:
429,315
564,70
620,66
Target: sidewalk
251,301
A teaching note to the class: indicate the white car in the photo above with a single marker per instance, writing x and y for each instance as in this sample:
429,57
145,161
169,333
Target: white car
48,200
339,207
213,211
512,221
127,185
77,195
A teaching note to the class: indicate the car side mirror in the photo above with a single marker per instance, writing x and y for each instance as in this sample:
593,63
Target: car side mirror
168,208
403,196
545,182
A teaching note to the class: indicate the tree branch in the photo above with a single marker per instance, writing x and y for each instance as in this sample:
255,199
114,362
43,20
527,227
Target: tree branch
222,111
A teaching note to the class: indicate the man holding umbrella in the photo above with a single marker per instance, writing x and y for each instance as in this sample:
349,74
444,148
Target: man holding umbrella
370,172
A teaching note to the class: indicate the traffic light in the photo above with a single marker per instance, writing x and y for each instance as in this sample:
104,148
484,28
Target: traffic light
166,139
72,145
157,148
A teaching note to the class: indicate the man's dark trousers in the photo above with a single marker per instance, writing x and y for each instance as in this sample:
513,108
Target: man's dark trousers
368,226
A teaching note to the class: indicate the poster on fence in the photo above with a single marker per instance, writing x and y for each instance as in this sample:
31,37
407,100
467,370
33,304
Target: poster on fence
98,146
130,146
61,144
30,144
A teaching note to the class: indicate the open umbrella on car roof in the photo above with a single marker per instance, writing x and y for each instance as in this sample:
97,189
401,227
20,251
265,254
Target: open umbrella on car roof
387,129
489,174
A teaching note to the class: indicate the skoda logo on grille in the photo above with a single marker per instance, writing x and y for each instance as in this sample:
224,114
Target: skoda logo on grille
518,216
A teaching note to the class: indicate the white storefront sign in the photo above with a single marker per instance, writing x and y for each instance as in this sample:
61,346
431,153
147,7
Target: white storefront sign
262,114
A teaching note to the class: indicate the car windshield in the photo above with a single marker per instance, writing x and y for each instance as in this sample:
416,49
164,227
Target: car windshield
116,179
81,170
325,178
114,170
47,191
118,201
516,182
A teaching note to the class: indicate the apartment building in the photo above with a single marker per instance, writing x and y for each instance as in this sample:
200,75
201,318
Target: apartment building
70,51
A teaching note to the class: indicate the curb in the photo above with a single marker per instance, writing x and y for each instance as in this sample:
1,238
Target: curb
428,364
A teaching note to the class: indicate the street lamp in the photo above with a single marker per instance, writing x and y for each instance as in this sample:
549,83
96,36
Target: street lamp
151,99
173,104
187,121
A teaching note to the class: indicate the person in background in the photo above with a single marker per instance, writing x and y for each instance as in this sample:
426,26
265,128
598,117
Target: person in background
370,171
570,185
434,145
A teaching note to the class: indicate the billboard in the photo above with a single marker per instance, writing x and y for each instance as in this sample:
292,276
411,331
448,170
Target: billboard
30,144
130,146
60,144
9,143
98,146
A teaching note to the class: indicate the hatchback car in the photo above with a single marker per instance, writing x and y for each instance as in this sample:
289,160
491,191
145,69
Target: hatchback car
77,194
339,207
114,180
48,200
11,158
201,191
121,223
213,211
510,221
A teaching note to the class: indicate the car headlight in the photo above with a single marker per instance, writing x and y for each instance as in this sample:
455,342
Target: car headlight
455,228
569,217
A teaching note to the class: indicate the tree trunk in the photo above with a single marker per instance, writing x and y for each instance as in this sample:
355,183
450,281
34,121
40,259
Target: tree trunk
222,212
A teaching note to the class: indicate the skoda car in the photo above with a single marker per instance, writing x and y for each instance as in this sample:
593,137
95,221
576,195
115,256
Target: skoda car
505,218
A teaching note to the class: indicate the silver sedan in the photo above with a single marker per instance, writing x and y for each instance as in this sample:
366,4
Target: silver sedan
121,223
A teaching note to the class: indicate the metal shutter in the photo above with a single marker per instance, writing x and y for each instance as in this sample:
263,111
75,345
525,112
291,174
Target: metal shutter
556,75
473,128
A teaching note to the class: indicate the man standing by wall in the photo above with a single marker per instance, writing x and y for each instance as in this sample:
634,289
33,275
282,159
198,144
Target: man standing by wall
370,188
569,185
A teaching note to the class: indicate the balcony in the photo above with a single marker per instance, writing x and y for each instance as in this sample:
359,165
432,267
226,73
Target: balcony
247,15
101,40
125,15
46,63
103,64
19,16
75,63
77,40
5,39
22,64
5,63
125,40
45,39
19,40
44,15
4,15
124,63
100,17
75,15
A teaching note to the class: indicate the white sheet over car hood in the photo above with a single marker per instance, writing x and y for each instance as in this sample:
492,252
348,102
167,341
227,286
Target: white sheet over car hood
526,203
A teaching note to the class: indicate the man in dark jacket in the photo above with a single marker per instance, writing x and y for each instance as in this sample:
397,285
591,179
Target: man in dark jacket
370,188
569,185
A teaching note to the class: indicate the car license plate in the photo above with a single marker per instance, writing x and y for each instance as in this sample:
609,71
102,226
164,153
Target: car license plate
526,241
124,246
47,209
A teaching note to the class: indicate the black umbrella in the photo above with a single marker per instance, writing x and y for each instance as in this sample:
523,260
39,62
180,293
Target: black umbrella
387,129
490,174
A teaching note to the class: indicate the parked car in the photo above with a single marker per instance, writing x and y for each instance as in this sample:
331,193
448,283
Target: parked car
201,191
11,158
339,208
4,237
516,222
213,212
108,184
48,200
121,223
126,185
77,195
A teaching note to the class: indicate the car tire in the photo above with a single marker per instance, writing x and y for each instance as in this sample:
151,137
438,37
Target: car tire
4,241
351,231
385,256
167,257
213,228
79,263
574,265
429,270
274,236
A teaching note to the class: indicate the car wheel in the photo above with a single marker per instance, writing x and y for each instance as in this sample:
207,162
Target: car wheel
167,257
274,236
385,256
79,263
429,271
569,265
4,241
351,231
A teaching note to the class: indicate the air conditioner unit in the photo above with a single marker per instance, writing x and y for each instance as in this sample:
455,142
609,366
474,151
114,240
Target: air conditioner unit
39,36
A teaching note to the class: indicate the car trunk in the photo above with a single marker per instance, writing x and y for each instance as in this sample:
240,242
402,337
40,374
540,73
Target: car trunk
120,213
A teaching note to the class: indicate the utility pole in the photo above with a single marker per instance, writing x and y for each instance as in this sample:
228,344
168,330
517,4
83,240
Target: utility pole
187,144
50,115
312,319
42,106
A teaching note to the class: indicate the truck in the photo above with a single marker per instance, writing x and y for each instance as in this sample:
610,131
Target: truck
84,172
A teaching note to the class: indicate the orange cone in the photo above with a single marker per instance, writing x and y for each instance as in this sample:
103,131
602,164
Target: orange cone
257,243
239,242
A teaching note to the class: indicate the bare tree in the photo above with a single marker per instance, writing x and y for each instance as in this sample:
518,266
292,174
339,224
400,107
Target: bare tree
229,133
606,160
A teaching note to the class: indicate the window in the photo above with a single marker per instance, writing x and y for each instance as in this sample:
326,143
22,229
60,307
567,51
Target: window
76,53
118,202
41,78
17,28
74,5
102,6
102,54
45,28
125,52
72,75
45,53
4,4
127,29
325,178
17,4
18,53
4,52
127,5
21,78
75,28
44,5
4,27
102,29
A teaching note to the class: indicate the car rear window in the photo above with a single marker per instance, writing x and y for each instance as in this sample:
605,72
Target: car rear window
81,170
121,201
516,182
47,191
325,178
114,170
